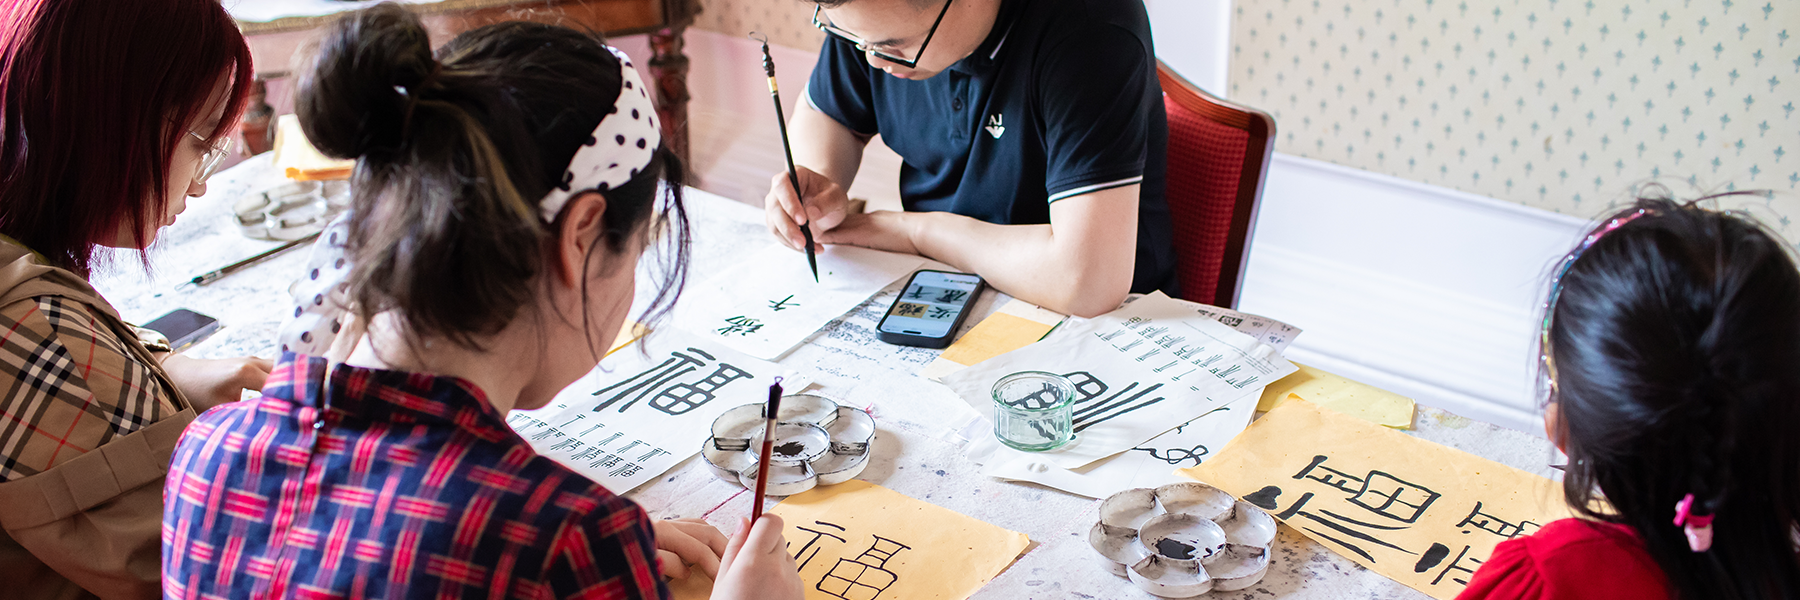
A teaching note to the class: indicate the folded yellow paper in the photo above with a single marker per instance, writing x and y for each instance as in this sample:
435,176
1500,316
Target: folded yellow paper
1416,512
1359,400
1016,325
298,160
860,540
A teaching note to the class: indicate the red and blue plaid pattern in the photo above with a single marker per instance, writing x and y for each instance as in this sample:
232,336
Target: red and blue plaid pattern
387,484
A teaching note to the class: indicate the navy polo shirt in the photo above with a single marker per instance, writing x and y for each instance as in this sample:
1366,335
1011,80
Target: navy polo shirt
1060,100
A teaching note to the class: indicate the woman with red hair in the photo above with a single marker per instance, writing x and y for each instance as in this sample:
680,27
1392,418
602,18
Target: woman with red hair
112,113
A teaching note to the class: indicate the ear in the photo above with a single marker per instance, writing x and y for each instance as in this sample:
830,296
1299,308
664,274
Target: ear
575,238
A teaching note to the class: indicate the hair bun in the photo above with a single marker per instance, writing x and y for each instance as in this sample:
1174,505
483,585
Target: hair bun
353,100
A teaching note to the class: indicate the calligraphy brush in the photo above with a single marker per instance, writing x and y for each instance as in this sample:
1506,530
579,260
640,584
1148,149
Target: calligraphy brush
211,276
770,410
812,259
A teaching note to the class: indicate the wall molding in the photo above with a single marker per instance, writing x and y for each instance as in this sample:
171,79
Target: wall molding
1414,288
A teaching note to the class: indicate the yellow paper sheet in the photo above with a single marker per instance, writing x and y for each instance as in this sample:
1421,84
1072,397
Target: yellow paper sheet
298,160
1016,325
860,540
1329,390
1416,512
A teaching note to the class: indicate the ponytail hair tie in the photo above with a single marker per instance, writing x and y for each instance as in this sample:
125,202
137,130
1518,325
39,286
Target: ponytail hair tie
1697,527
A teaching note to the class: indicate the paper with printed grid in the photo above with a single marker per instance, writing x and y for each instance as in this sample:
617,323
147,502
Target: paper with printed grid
647,407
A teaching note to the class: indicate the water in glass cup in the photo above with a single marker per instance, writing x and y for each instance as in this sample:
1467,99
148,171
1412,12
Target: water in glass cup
1034,411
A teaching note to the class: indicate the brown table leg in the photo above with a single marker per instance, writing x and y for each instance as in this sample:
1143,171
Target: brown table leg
669,65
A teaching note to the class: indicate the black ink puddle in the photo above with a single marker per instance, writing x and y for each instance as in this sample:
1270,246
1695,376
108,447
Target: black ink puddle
790,448
1264,498
1173,549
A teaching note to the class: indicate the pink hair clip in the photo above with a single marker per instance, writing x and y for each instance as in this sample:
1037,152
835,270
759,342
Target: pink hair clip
1697,527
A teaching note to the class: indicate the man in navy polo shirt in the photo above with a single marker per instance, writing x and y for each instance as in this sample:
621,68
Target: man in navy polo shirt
1033,135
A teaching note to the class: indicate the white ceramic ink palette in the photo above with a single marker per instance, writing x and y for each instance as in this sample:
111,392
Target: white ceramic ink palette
1183,539
817,442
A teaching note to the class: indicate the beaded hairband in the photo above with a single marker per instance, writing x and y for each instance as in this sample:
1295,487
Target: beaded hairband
1556,288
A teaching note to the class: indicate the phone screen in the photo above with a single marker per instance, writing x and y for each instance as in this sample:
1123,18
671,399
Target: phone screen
930,304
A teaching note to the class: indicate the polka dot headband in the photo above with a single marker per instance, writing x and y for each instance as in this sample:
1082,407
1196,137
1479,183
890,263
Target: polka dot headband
621,146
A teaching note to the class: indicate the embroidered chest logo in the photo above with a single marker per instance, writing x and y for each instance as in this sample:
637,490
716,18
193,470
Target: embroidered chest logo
994,128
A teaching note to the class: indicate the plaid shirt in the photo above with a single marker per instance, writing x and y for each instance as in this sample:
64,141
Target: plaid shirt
387,484
70,386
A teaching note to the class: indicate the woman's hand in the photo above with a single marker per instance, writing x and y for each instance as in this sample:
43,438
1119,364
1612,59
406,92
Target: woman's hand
211,382
757,564
685,543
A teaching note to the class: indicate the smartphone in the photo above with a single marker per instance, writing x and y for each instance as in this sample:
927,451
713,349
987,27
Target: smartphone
930,309
183,327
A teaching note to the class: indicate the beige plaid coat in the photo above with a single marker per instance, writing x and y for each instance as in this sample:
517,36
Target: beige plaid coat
88,420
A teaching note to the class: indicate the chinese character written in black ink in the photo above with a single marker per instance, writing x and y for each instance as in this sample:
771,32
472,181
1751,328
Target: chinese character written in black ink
917,293
1092,410
1380,493
1496,525
811,544
672,397
1176,456
1386,504
939,312
740,325
952,296
864,577
908,309
783,304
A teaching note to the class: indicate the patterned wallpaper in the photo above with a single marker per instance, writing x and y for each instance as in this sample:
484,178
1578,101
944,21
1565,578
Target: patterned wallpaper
788,22
1558,104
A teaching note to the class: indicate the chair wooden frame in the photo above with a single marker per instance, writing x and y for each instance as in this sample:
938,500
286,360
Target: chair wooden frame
1258,152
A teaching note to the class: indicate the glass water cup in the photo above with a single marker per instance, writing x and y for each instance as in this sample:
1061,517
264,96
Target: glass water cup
1034,411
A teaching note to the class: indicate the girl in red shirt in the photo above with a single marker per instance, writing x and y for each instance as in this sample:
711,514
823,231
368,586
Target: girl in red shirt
1671,346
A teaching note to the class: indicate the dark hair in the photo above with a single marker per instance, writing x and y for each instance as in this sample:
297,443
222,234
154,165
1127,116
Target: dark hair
453,154
94,96
1676,344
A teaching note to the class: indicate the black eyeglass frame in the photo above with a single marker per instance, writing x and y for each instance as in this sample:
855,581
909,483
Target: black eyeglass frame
864,46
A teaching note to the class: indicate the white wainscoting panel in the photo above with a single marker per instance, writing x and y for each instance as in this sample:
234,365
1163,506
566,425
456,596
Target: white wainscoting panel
1421,290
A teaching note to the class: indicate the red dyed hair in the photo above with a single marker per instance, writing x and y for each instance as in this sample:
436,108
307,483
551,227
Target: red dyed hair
94,97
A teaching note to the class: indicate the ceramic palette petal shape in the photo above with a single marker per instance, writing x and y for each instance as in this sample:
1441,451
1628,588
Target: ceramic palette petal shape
1183,539
817,442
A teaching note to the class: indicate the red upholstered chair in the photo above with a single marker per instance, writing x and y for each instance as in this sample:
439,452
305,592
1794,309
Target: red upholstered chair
1218,158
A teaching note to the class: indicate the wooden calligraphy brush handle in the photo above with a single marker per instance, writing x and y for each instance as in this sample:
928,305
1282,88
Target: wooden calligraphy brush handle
770,412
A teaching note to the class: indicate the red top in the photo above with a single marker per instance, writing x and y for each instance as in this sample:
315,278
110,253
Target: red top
1570,558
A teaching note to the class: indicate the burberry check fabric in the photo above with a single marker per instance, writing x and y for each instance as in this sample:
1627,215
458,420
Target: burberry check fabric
387,484
69,384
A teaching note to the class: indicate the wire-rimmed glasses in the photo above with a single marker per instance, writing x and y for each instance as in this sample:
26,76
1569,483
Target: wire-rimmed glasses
864,46
210,161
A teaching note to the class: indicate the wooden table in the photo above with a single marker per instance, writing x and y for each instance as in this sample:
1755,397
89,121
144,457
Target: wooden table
274,44
919,448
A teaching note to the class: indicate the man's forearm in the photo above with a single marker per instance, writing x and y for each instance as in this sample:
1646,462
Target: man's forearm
1082,264
827,147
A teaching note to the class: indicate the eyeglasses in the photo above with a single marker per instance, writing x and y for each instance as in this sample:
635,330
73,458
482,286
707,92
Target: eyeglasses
211,160
864,46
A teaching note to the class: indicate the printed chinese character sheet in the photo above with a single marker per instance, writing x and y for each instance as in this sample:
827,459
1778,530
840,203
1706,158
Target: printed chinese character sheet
635,416
770,303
